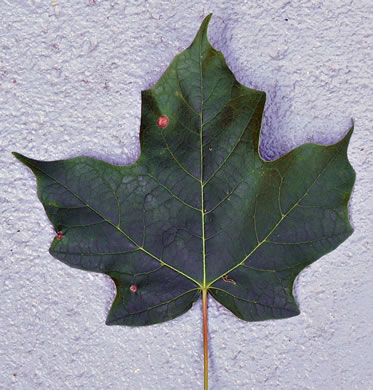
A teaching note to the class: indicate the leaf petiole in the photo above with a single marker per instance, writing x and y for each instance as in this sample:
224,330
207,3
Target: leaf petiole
205,340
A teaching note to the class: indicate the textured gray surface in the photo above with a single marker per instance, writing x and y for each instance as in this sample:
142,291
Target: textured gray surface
70,78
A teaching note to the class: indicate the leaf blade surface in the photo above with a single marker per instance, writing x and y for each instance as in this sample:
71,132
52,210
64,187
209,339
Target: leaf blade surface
200,209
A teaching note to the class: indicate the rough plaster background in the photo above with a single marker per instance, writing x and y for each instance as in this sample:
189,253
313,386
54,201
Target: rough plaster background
71,72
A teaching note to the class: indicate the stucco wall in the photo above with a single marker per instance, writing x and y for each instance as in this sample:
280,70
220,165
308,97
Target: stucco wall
71,72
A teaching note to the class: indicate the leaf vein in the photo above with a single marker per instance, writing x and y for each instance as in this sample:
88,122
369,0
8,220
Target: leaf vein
279,222
115,226
249,301
163,303
172,193
177,161
234,147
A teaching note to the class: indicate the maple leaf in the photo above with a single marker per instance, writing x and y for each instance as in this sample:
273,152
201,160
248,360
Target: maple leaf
200,212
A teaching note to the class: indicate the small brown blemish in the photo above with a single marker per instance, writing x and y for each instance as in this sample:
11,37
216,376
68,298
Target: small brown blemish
162,121
227,279
133,288
59,235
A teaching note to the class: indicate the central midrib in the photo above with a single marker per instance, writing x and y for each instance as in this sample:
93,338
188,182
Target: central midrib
204,282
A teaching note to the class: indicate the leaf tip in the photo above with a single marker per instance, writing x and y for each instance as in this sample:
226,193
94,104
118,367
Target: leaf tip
18,156
346,139
351,130
109,321
296,311
25,160
112,318
202,32
208,17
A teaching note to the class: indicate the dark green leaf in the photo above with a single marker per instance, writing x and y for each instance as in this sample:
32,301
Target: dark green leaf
200,210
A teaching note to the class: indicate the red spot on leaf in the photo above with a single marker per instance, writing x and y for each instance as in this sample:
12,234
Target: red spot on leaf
59,236
133,288
162,121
